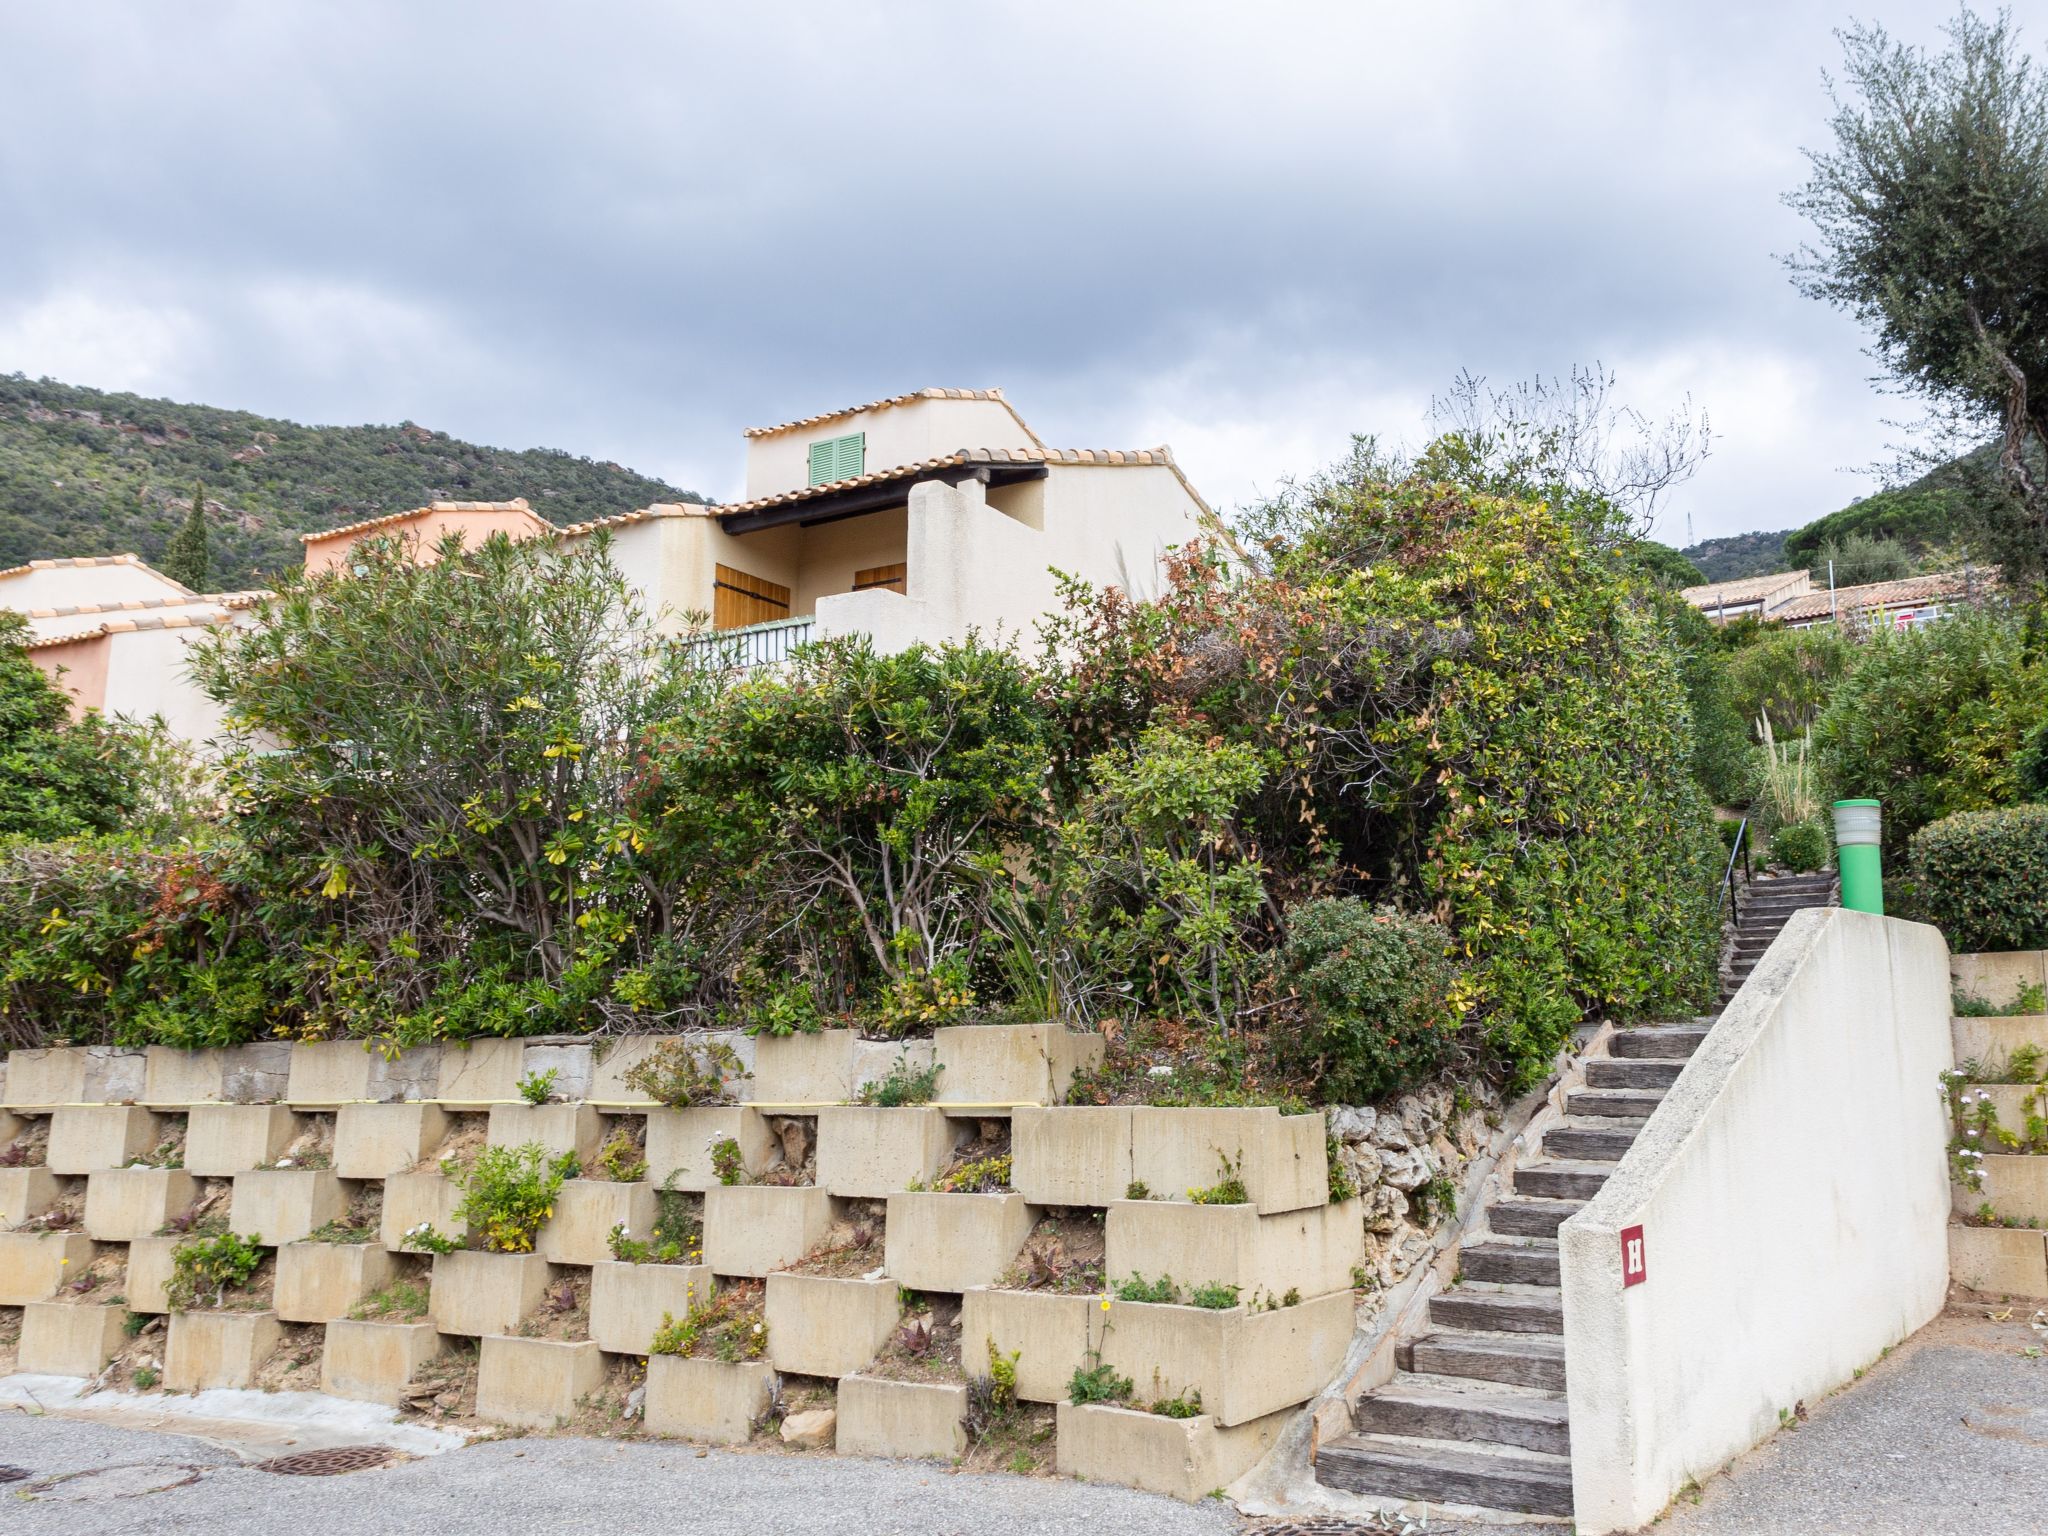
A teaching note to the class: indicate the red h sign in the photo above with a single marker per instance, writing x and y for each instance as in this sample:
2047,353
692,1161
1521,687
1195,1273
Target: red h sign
1635,1268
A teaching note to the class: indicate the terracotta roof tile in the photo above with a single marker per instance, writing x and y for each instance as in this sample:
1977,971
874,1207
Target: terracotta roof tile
1904,593
1744,589
659,510
83,561
210,620
389,519
960,458
877,405
142,604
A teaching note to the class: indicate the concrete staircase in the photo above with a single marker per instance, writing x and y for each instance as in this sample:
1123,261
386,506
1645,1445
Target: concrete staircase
1476,1413
1766,906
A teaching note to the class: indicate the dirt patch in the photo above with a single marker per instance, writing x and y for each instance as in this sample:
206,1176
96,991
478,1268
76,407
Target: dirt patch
10,1339
66,1212
1064,1253
1019,1440
294,1366
563,1315
611,1412
463,1140
401,1299
925,1347
139,1364
796,1394
793,1151
169,1151
208,1210
99,1281
30,1147
313,1147
360,1224
444,1389
853,1248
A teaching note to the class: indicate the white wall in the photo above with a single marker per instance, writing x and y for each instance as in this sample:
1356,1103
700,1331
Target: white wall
1793,1191
897,434
64,585
146,676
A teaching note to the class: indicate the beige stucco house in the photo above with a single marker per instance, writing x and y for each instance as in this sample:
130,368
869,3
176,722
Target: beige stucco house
425,527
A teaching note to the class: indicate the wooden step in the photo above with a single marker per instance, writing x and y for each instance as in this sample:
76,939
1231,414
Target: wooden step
1663,1043
1525,1360
1561,1181
1405,1407
1523,1311
1612,1103
1593,1144
1509,1263
1530,1218
1607,1072
1398,1469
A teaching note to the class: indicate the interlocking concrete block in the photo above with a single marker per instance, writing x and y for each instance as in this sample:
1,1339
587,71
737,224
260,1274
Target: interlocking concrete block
34,1264
319,1282
755,1229
149,1273
871,1153
1186,1459
535,1383
376,1362
819,1326
375,1141
2015,1186
707,1400
481,1072
282,1205
1071,1156
557,1127
874,1060
1004,1064
222,1140
954,1242
256,1072
628,1301
85,1138
1245,1364
61,1338
586,1210
122,1204
218,1349
1991,1041
175,1079
43,1079
802,1069
1999,978
902,1419
1050,1334
1310,1252
679,1143
26,1192
328,1073
572,1062
411,1198
1283,1159
481,1293
1999,1261
114,1074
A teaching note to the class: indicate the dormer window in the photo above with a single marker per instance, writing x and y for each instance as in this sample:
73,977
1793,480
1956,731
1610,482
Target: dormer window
839,458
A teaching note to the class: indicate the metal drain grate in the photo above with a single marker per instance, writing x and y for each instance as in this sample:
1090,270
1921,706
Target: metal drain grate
334,1459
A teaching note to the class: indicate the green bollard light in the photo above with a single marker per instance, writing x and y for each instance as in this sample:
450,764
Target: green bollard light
1857,827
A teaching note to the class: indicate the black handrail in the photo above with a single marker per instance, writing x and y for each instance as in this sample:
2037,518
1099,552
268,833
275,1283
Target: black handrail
1738,849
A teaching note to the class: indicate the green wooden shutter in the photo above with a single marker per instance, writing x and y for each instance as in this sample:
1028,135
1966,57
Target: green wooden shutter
823,458
839,458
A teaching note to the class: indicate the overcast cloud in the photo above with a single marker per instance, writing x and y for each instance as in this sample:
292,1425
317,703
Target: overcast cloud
631,229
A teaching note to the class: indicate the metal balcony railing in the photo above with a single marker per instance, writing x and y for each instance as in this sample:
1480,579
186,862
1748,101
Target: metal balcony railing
752,645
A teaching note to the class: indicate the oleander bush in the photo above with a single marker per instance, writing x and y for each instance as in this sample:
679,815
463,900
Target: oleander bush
1801,846
1983,877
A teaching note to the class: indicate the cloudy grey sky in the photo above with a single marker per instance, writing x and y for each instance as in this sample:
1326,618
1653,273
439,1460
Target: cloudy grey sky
629,229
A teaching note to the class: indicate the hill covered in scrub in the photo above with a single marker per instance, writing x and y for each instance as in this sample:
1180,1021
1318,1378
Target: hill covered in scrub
1738,555
87,472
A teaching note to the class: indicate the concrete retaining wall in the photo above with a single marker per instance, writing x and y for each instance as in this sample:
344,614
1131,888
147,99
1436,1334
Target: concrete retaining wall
1792,1197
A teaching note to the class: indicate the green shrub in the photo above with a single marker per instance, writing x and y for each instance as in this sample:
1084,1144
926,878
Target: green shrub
1098,1383
1138,1288
1983,877
1802,846
215,1264
902,1084
1374,988
509,1194
538,1087
1214,1296
683,1074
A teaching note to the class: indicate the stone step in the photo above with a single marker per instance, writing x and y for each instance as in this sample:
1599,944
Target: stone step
1561,1181
1662,1042
1593,1144
1530,1218
1612,1103
1403,1407
1507,1480
1521,1360
1609,1072
1530,1310
1509,1263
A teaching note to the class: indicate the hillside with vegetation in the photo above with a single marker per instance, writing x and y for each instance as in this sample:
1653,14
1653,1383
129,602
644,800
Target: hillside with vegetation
1738,555
87,472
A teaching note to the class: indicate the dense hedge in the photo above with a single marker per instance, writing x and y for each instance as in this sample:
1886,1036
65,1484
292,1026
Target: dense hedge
1983,878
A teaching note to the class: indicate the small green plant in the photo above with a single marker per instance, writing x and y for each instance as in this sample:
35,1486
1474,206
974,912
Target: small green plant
627,1249
984,1176
1002,1373
1435,1201
727,1163
1342,1185
342,1230
426,1238
169,1153
903,1084
621,1159
1138,1288
726,1326
682,1075
1022,1462
538,1087
509,1194
1137,1189
1228,1190
403,1301
1188,1405
1215,1296
134,1323
218,1264
145,1377
1098,1383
